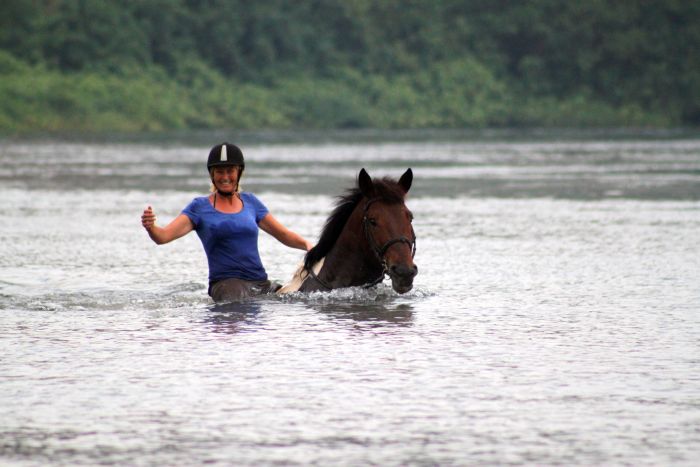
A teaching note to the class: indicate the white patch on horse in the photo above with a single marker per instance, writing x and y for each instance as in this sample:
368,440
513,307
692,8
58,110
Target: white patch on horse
300,275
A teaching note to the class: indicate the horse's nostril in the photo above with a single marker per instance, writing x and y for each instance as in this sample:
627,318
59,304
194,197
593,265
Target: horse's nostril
403,270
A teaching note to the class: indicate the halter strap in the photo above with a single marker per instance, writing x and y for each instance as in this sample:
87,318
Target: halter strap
318,279
380,251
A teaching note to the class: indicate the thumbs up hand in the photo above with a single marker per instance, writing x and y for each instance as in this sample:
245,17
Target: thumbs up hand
148,218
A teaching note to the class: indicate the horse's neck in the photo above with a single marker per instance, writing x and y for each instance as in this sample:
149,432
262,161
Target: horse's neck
350,262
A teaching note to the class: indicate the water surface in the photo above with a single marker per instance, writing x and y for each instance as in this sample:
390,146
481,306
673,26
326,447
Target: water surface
555,318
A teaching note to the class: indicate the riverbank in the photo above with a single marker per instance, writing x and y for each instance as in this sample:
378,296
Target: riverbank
459,94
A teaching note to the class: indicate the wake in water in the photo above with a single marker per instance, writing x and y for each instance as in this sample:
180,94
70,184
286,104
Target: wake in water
378,294
187,294
193,295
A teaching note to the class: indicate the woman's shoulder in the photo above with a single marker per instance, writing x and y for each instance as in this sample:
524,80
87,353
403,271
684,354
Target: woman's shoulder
248,196
249,199
201,200
198,203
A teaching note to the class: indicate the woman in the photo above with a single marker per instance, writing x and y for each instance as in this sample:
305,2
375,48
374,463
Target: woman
227,223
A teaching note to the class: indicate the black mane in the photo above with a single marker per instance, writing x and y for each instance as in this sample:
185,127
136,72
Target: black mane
386,189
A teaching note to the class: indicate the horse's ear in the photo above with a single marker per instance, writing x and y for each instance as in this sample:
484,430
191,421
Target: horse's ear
365,183
406,180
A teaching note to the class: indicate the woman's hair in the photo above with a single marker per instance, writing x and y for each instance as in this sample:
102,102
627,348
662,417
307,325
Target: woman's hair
212,187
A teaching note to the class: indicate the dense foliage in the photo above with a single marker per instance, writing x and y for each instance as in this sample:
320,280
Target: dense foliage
163,64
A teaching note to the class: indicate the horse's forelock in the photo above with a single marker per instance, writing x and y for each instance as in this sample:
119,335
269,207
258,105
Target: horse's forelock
388,190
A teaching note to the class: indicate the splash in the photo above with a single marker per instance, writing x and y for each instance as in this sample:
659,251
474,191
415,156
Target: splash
380,293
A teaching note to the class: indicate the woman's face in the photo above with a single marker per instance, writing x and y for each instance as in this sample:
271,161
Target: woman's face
226,178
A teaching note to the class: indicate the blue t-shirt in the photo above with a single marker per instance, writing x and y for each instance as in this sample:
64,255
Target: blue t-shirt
230,240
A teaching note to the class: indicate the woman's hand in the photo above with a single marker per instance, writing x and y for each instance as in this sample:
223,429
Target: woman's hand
148,219
180,226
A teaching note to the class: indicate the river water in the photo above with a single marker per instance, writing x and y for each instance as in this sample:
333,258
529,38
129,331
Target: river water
555,318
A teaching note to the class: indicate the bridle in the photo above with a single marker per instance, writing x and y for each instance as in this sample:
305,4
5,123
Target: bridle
379,251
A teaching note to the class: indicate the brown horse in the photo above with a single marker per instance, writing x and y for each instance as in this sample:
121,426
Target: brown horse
367,236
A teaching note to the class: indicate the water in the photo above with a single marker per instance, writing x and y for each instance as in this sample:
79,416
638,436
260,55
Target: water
555,318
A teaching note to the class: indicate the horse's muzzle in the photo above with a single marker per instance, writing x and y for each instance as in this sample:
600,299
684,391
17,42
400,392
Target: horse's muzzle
402,277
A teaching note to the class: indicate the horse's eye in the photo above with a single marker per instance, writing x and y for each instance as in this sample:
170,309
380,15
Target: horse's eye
372,221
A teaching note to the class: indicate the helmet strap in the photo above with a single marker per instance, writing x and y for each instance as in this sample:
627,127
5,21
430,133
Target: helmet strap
224,194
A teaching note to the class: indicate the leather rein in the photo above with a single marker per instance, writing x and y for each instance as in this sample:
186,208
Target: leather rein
379,251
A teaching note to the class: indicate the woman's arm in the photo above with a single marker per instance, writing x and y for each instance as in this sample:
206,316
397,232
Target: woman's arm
180,226
272,226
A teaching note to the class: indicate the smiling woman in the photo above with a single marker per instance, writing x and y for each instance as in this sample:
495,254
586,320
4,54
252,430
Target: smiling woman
227,222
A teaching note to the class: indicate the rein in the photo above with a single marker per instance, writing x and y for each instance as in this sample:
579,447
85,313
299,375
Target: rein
318,279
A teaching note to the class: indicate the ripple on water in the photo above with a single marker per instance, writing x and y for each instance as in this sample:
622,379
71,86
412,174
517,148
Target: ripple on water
550,323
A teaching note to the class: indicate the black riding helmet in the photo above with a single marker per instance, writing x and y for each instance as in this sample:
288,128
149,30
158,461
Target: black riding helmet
226,154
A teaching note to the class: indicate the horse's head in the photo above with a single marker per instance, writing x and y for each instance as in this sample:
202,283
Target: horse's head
387,227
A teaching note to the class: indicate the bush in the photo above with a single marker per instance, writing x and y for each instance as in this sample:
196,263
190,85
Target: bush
451,94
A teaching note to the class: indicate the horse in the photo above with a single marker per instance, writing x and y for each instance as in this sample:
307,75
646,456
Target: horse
367,236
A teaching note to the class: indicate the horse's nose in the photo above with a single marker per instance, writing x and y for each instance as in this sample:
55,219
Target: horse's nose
402,270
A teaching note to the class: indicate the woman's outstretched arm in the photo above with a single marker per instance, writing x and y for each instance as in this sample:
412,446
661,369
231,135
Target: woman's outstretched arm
292,239
180,226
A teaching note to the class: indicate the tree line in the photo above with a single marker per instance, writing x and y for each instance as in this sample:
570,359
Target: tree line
164,64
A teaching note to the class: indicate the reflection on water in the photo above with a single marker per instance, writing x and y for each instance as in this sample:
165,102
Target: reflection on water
248,307
251,315
234,317
368,315
554,319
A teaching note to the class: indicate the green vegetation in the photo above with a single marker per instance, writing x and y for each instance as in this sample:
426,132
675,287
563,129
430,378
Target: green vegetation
134,65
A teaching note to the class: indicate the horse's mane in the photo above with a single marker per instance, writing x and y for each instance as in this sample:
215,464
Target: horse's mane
386,189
